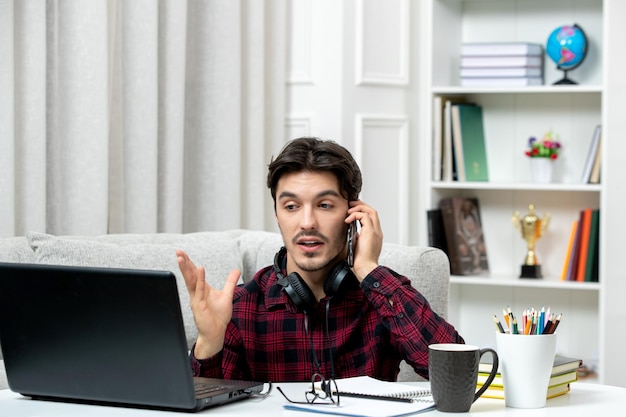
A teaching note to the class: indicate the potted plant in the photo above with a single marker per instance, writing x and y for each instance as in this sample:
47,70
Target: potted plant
542,154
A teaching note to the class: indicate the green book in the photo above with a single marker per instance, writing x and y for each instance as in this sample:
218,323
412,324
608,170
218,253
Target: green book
472,138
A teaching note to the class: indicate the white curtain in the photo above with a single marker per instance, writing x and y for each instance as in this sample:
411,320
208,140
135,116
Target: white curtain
137,116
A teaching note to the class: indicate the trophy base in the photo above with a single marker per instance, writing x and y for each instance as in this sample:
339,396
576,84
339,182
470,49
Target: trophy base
531,271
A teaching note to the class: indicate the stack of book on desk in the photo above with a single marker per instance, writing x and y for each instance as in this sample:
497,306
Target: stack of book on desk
503,64
564,372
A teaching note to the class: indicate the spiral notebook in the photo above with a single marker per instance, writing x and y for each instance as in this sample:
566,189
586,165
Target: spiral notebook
364,396
371,388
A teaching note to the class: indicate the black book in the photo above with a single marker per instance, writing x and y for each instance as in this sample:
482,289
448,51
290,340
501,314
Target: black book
436,231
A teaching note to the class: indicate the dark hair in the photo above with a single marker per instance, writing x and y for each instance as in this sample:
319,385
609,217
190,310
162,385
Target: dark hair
314,154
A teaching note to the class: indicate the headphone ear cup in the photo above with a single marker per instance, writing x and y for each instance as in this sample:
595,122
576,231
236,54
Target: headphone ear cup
293,284
299,292
336,278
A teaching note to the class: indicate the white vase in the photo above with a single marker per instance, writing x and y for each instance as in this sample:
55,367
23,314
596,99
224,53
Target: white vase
541,169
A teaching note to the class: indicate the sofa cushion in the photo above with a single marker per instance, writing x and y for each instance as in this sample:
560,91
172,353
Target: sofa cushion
217,252
16,249
427,268
258,249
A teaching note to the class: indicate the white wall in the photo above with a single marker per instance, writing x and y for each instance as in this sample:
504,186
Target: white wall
350,79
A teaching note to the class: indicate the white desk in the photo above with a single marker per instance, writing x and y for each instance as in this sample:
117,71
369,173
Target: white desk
584,400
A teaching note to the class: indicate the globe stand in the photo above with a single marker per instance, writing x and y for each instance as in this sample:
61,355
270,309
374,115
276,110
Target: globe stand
565,80
567,46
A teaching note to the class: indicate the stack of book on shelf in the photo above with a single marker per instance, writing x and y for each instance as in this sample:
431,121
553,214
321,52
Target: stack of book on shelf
591,169
564,372
456,228
503,64
459,149
581,259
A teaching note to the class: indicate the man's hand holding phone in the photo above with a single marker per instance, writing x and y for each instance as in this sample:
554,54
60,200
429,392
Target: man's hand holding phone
367,243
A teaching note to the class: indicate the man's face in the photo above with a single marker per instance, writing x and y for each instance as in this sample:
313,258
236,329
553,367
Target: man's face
311,213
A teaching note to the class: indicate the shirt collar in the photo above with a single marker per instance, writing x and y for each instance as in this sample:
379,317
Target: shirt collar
276,298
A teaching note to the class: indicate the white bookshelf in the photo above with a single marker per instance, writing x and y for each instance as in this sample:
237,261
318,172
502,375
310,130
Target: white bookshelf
511,116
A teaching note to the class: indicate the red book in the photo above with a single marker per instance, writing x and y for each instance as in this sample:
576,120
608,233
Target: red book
594,236
585,228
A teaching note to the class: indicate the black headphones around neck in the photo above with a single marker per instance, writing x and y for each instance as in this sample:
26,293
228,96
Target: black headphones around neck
297,290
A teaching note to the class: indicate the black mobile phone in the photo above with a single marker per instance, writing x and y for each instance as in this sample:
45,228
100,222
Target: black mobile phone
351,241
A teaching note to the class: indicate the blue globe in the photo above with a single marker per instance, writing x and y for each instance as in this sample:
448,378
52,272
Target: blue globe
567,46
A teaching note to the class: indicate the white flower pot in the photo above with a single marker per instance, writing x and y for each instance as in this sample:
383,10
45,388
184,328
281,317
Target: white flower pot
541,169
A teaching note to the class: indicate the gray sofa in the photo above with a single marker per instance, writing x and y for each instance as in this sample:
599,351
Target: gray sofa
219,253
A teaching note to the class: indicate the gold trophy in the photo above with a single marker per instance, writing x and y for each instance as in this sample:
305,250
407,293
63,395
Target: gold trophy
532,228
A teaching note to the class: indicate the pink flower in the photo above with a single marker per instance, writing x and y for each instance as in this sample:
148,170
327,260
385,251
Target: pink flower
547,147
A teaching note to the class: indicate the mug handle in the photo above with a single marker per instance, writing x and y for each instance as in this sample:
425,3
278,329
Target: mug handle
492,375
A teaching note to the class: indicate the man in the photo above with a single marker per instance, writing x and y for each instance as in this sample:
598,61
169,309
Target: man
310,312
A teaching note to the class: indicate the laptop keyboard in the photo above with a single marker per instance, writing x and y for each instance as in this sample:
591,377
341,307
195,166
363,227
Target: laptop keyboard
204,389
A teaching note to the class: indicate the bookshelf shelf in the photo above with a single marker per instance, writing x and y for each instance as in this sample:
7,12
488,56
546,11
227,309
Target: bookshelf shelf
498,186
545,89
524,283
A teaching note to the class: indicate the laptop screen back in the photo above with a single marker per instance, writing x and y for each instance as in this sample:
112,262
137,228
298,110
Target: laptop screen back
94,334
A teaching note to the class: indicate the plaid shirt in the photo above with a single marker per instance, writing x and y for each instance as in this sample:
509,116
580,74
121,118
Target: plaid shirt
372,326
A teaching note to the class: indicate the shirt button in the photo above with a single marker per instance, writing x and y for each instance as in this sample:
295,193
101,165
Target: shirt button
376,284
400,315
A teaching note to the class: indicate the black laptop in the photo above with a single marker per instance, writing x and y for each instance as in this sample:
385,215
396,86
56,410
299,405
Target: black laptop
105,336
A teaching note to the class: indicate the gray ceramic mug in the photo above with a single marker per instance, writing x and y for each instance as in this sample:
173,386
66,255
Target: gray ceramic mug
453,374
